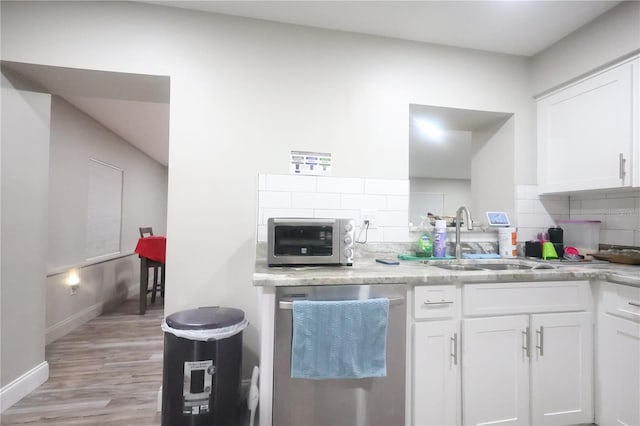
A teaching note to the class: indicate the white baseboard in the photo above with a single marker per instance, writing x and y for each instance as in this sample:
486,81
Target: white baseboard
62,328
69,324
23,385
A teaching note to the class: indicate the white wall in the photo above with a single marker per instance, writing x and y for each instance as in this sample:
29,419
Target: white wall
457,192
243,94
607,38
25,167
75,138
492,170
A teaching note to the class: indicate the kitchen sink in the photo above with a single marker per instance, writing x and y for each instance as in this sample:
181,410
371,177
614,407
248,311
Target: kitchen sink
497,265
458,267
502,266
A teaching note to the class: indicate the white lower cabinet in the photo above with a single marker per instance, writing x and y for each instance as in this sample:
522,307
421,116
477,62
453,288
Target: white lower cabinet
619,356
535,368
495,374
517,362
435,375
521,355
561,369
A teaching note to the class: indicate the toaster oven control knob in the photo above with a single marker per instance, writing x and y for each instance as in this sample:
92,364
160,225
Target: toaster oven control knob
348,240
348,227
348,253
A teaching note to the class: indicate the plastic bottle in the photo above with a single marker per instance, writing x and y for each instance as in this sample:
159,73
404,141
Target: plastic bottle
440,239
425,245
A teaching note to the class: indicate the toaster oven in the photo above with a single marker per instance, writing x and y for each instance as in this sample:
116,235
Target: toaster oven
310,241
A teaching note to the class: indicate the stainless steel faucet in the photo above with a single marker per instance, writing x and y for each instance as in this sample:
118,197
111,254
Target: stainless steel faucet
469,222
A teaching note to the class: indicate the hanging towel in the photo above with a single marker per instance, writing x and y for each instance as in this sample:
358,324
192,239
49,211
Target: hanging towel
339,339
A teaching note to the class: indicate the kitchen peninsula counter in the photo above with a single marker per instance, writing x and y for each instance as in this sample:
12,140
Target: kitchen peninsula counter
367,271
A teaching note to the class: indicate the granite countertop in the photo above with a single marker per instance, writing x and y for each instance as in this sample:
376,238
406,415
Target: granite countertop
367,271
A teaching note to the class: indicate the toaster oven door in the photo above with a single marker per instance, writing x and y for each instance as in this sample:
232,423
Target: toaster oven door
304,243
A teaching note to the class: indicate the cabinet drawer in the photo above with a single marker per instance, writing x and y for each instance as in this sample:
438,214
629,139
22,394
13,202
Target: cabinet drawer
621,300
526,297
437,301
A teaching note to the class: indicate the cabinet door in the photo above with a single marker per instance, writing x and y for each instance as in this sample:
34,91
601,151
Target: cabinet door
435,373
620,375
562,368
586,133
495,371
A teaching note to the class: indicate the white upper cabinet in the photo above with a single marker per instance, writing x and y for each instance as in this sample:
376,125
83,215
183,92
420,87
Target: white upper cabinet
588,132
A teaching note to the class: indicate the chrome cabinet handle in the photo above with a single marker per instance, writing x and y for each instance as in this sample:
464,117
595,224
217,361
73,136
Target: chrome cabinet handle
637,305
437,303
454,354
525,344
541,346
621,165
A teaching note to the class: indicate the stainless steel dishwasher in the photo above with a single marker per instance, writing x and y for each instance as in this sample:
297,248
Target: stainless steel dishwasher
376,401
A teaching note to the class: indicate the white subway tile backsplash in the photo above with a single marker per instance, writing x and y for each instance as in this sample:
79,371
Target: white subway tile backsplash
526,206
527,192
315,200
619,213
337,214
267,213
607,206
575,205
341,185
336,197
370,236
292,183
554,197
527,234
612,236
398,202
621,222
602,218
363,201
400,234
386,186
554,207
393,218
542,221
268,199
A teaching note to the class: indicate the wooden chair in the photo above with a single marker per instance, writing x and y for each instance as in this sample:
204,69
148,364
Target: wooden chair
158,268
146,231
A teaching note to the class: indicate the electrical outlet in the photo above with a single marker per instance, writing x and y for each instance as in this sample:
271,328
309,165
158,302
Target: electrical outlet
372,217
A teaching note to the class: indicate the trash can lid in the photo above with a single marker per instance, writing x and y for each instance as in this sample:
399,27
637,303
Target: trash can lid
205,318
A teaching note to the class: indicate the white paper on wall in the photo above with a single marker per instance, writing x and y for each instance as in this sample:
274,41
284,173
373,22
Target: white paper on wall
310,163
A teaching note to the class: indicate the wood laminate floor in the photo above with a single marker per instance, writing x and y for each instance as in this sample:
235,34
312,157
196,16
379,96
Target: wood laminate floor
106,372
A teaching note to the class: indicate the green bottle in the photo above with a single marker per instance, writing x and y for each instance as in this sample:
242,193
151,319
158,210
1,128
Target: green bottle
425,245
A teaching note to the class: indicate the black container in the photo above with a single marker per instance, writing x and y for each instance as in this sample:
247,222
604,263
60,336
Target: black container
556,235
559,249
533,249
201,378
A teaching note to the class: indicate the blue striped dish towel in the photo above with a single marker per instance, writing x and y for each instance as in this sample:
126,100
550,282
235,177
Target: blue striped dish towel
344,339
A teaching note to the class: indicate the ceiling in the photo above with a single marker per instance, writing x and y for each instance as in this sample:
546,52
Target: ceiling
514,27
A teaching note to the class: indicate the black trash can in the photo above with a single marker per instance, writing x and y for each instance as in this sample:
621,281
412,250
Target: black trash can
201,367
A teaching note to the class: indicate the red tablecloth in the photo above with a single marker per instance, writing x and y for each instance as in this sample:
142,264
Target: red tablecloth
153,248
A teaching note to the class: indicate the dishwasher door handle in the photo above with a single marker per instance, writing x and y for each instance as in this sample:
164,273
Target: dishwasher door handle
288,303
